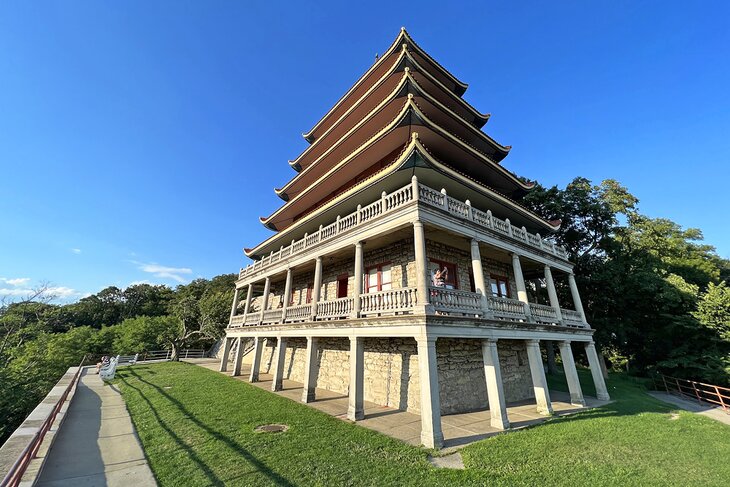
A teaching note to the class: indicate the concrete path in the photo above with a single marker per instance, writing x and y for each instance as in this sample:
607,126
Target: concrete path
459,429
97,444
693,406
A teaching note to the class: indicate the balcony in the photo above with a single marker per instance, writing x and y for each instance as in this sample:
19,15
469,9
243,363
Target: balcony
394,201
403,301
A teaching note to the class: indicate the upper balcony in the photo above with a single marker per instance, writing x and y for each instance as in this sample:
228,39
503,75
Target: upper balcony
392,202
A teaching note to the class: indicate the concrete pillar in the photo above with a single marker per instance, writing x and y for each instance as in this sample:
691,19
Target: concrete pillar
267,291
520,283
552,293
571,374
495,388
358,279
276,385
594,364
539,382
287,293
576,297
355,409
239,357
317,286
431,434
226,352
310,369
258,347
234,307
478,272
422,278
249,298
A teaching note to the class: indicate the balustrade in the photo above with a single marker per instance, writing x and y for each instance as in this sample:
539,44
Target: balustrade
390,301
252,319
299,313
453,300
506,307
271,316
544,313
571,315
337,308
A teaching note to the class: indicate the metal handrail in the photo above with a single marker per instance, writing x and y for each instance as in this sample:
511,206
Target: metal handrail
700,391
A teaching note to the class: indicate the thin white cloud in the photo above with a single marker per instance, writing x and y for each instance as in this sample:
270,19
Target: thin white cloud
15,292
165,272
63,292
76,251
18,281
136,283
58,292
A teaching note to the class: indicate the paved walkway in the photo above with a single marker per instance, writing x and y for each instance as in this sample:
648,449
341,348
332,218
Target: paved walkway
96,444
459,429
693,406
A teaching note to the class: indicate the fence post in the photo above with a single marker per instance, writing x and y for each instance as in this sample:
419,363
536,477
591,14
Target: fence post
719,396
665,383
697,393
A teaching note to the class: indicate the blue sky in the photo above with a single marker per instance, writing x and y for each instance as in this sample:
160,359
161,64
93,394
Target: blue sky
141,141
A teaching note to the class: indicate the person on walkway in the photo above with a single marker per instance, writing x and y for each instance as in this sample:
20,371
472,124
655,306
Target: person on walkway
104,363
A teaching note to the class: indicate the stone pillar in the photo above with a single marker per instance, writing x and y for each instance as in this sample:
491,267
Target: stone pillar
287,293
249,298
310,369
422,278
226,352
239,357
317,286
276,385
520,283
355,409
594,364
258,347
539,382
495,388
358,280
267,291
431,434
576,297
234,307
478,272
552,293
571,374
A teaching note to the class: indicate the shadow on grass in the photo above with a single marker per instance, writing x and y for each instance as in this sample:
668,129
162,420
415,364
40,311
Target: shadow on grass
230,443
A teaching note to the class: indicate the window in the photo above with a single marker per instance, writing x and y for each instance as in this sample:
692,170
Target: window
500,286
378,278
293,301
450,280
342,286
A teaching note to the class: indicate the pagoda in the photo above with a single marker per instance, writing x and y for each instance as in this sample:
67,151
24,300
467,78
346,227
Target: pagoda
403,269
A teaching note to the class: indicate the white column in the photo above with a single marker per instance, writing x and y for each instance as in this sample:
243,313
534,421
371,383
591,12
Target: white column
358,279
593,363
552,293
422,277
239,357
571,374
267,291
539,382
310,369
276,385
495,388
317,286
258,347
226,352
478,272
355,409
249,298
520,282
235,304
576,297
287,293
431,434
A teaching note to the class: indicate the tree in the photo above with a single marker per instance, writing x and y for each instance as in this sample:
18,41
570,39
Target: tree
713,309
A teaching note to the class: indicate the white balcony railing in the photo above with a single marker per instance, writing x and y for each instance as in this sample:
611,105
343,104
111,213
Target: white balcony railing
271,316
337,308
571,315
394,201
543,313
507,308
302,312
455,301
252,319
386,302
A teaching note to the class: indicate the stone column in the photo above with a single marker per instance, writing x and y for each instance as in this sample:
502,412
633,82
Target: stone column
287,294
539,382
520,283
571,374
317,286
310,369
593,363
478,272
576,297
358,280
258,347
239,357
249,298
422,277
267,291
276,385
234,307
355,409
226,352
495,388
431,434
552,293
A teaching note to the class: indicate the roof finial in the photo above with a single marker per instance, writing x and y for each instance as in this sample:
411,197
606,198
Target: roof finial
414,135
402,29
376,57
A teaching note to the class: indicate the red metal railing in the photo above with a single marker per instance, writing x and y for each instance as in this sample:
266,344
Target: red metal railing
699,391
14,476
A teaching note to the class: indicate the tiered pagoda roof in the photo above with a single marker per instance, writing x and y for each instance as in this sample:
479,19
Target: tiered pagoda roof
405,106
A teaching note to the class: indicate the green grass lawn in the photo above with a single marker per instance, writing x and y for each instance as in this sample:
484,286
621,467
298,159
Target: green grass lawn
197,425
